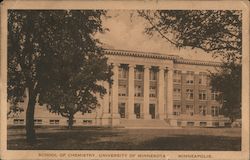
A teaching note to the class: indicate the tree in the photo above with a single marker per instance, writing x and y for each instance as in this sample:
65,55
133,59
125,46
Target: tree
228,81
78,92
215,31
14,111
53,51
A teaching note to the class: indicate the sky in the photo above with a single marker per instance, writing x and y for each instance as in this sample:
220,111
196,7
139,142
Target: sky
126,32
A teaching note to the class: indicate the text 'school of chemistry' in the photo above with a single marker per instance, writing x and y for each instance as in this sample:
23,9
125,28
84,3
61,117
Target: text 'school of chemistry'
148,89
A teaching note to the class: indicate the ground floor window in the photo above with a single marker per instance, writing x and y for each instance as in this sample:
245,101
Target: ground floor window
190,124
87,122
18,121
137,110
152,110
121,109
38,121
54,121
203,124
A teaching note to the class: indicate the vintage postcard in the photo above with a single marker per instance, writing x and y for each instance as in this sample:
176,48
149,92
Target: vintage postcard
123,80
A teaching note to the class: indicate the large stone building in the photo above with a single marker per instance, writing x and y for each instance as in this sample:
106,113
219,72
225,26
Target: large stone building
149,89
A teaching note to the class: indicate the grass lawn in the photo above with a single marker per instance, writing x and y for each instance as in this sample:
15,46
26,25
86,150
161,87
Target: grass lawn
90,138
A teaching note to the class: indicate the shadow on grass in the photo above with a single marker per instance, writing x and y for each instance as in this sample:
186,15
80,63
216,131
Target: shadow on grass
117,139
62,139
194,142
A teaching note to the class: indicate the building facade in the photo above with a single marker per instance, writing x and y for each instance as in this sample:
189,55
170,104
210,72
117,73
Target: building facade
148,89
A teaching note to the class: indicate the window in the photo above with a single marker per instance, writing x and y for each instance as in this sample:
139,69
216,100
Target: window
138,74
215,111
137,110
190,110
123,73
53,121
189,94
203,110
177,94
177,76
202,78
37,121
152,91
121,109
203,124
190,77
152,110
153,75
87,122
190,124
177,110
138,91
122,90
214,95
202,95
18,121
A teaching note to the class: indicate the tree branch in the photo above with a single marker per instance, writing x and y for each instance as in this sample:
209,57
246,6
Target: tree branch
158,30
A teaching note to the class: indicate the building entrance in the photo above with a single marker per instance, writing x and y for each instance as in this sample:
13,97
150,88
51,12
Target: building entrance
137,110
121,110
152,110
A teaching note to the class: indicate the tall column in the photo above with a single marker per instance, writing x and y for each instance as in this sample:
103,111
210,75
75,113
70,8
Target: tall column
170,92
114,110
106,115
106,98
131,88
146,93
161,93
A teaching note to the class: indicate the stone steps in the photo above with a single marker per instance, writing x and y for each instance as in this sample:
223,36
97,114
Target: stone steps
141,123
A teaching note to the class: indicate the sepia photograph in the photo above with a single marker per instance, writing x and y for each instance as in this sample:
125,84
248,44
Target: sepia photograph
125,79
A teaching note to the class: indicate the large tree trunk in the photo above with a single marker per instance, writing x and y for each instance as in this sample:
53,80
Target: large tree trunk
30,131
70,124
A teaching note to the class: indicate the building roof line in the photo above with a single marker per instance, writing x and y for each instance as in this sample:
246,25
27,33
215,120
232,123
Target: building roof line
197,62
139,54
176,59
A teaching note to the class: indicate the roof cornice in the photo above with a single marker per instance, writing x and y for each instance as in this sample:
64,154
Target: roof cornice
197,62
139,54
176,59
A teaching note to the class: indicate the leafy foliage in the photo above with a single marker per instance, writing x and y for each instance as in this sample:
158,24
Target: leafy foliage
228,81
14,111
215,31
53,53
